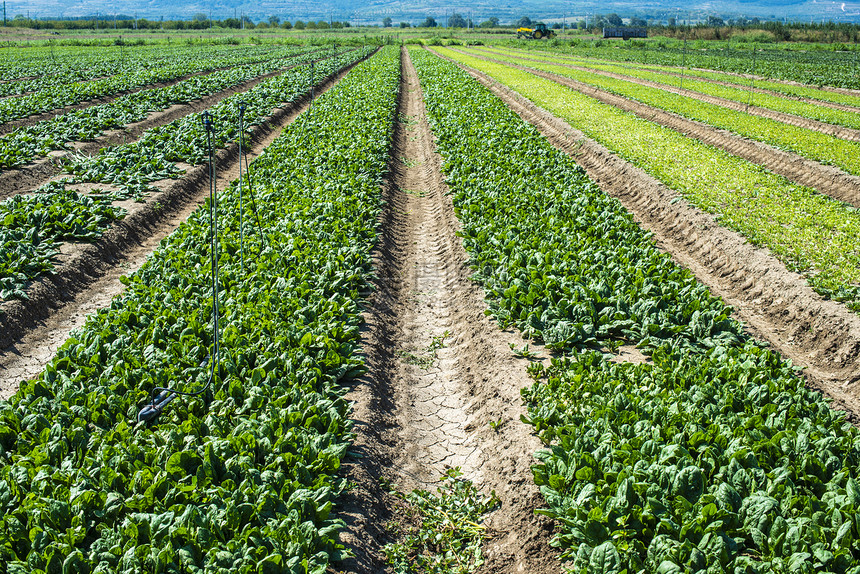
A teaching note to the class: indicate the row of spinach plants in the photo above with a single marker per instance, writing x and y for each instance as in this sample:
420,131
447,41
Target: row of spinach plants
61,94
711,456
30,69
34,224
241,478
29,142
810,233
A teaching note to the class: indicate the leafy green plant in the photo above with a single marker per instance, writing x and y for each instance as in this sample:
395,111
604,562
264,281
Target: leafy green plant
243,477
448,536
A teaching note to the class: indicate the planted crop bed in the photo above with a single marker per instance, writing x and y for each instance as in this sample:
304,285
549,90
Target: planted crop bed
242,479
693,88
796,224
709,457
59,94
812,67
130,168
27,143
784,88
821,147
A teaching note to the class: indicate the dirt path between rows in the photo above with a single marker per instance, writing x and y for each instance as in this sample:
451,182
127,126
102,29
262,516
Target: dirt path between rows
28,177
842,132
777,305
439,372
746,87
32,331
826,179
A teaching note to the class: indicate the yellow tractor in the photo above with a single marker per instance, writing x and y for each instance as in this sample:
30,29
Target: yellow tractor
536,33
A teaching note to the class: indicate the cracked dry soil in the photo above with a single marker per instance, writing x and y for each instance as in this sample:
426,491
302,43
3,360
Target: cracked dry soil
439,372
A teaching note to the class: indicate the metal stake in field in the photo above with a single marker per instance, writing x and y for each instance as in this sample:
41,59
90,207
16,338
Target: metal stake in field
242,106
161,396
683,61
752,79
312,82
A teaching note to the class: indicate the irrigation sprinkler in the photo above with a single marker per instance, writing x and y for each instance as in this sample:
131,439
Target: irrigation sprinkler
162,396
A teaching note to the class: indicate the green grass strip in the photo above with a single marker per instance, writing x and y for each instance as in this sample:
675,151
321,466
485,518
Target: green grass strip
810,233
805,142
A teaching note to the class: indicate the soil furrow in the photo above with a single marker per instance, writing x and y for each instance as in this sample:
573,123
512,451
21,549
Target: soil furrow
669,73
825,179
439,372
841,132
777,305
28,177
87,278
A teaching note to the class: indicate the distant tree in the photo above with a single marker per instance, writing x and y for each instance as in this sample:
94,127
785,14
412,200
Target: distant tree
523,22
311,25
456,20
231,23
200,17
614,19
428,22
274,20
322,25
580,25
337,25
491,22
386,22
286,25
715,21
299,25
405,25
672,22
636,21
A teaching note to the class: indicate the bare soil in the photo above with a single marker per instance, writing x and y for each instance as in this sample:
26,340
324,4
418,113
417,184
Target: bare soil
776,305
825,179
440,371
87,276
841,132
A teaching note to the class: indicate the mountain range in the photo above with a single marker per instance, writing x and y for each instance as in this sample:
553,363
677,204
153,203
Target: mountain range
371,12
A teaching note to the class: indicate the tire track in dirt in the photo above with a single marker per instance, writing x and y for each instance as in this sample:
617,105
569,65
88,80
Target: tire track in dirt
88,277
826,179
424,407
777,305
669,73
841,132
29,176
